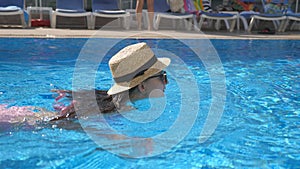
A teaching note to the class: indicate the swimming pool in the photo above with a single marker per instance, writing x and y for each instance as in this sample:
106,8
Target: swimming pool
259,127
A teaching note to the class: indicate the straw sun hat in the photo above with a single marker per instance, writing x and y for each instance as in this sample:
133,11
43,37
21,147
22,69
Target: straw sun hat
126,65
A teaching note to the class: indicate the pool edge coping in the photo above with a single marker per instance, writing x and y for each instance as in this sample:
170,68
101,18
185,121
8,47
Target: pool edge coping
71,33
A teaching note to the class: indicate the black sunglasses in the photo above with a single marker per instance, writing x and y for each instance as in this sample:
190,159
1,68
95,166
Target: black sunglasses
162,76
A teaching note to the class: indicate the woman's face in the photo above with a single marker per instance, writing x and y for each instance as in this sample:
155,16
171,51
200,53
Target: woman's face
156,85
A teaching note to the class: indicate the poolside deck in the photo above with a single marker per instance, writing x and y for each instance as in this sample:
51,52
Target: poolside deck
83,33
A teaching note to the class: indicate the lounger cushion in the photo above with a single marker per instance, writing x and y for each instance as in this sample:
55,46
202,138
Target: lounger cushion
9,9
70,11
217,14
270,15
110,11
293,14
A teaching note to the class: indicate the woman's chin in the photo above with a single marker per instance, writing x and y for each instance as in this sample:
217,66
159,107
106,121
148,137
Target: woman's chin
156,93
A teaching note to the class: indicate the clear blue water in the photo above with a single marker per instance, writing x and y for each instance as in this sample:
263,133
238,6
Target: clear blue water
259,127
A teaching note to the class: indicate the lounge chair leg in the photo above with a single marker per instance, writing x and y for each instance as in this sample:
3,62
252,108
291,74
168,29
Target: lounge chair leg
23,21
275,23
89,22
281,26
126,22
190,25
50,17
93,19
53,23
293,25
232,25
157,22
251,24
286,23
227,24
187,24
244,23
218,25
200,23
29,19
195,24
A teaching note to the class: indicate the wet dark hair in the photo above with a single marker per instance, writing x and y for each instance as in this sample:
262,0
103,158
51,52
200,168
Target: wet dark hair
104,102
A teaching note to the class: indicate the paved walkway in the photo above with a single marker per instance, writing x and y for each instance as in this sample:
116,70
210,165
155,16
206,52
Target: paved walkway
71,33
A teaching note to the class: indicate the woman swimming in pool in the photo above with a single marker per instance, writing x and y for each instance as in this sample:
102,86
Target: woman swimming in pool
137,73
